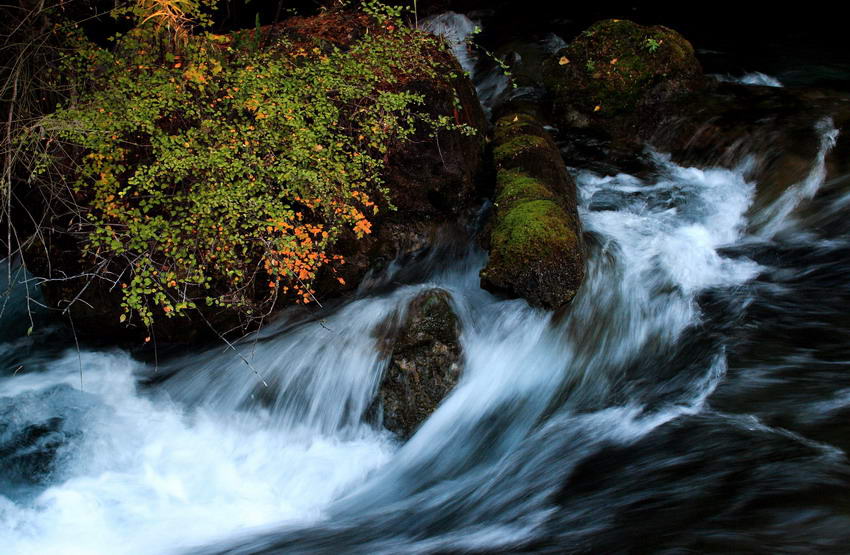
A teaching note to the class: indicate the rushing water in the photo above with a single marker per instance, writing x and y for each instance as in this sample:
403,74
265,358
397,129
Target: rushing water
694,397
753,78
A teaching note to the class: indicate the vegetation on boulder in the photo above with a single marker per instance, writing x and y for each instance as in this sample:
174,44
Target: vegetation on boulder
616,65
219,172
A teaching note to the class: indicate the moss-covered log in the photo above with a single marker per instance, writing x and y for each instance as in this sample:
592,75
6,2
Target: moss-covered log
536,250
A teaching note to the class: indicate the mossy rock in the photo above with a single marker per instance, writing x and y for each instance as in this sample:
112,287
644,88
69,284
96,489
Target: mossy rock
517,124
616,65
521,143
516,187
404,179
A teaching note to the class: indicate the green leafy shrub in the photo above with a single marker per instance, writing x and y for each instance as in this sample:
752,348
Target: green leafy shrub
214,171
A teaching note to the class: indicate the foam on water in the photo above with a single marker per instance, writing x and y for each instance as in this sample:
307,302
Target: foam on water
151,476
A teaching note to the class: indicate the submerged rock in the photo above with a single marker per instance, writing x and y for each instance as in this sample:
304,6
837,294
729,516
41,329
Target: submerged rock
39,431
424,362
617,65
536,249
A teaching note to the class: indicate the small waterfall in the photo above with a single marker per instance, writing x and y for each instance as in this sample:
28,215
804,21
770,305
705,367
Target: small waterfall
457,30
777,216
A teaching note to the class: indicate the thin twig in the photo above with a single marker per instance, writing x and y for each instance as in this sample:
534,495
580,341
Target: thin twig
235,350
79,356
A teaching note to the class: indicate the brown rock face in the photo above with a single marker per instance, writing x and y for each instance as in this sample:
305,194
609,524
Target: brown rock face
433,181
424,362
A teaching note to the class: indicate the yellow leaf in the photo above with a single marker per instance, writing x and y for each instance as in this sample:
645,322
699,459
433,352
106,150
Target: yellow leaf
564,60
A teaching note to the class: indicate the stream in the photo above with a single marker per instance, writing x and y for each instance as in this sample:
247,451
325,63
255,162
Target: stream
694,397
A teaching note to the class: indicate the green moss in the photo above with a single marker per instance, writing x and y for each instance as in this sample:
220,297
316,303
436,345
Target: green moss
535,245
532,230
530,222
517,145
615,62
515,186
512,125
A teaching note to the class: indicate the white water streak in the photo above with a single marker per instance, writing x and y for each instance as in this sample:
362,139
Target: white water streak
753,78
778,216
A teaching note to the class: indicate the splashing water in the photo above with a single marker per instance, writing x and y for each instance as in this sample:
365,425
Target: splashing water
205,449
776,217
634,418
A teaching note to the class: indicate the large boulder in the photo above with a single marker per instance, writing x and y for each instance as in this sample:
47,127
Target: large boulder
536,248
620,87
616,66
425,361
432,181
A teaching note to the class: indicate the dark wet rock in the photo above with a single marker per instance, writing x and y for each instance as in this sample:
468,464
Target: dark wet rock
424,361
777,131
39,432
615,66
536,248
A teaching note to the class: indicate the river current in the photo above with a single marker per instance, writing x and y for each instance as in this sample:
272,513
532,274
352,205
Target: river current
694,397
